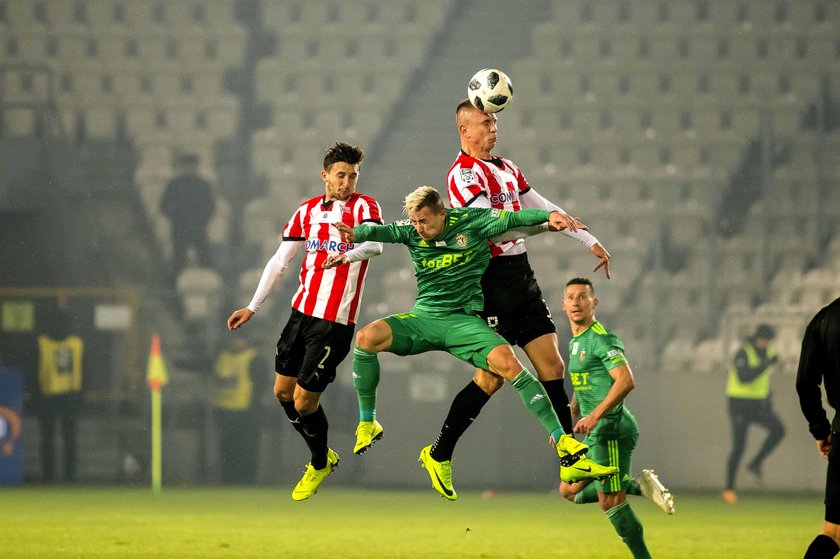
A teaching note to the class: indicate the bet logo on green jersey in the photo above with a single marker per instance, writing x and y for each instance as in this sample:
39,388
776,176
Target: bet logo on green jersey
579,380
447,260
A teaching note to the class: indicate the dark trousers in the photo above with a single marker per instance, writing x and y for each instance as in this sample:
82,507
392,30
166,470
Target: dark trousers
742,413
182,240
238,438
58,411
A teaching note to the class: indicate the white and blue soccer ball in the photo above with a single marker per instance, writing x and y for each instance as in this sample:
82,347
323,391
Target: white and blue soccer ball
490,90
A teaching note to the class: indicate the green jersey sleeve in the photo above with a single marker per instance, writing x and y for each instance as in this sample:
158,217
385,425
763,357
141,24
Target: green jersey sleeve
496,221
396,232
610,350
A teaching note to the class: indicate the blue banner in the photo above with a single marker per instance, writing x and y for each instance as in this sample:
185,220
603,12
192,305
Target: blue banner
11,426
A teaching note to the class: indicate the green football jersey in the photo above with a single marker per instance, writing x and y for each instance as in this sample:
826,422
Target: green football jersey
449,268
592,354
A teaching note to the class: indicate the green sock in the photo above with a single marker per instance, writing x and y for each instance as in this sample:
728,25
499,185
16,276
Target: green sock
629,529
365,381
589,494
533,395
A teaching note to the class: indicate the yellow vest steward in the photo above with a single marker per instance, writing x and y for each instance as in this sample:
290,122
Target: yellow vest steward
759,388
233,380
60,365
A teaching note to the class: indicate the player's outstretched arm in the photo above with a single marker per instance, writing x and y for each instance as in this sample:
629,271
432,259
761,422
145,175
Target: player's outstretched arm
365,251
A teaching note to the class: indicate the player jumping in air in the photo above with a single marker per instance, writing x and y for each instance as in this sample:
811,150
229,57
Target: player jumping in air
319,331
450,253
513,303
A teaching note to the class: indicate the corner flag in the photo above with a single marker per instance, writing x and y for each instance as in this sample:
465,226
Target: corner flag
156,377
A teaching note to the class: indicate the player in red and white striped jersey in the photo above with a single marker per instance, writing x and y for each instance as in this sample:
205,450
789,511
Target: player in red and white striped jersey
513,302
330,293
319,331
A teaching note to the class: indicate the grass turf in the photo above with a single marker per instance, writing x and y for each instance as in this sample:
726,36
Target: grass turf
343,523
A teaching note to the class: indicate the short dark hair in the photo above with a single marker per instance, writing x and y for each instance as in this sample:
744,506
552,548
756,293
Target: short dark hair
581,281
463,105
344,153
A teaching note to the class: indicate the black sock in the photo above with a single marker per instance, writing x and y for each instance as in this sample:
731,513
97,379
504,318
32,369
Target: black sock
560,402
822,547
315,428
464,409
293,415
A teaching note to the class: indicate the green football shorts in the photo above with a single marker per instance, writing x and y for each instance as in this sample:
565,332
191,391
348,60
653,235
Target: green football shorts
613,452
466,336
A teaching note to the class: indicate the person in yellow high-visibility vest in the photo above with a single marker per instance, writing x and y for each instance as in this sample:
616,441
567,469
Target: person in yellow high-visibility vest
748,390
60,384
236,417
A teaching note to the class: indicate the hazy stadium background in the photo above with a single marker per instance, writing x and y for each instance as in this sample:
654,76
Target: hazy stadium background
697,138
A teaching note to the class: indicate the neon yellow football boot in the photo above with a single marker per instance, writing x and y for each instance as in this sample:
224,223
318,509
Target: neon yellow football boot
440,472
575,466
312,478
367,433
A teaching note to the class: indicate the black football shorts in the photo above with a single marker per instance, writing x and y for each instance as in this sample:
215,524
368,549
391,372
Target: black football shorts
513,303
311,349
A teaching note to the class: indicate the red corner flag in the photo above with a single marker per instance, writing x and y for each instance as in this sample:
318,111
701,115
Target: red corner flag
156,375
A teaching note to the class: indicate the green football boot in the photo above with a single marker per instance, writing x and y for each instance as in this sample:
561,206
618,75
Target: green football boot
312,478
440,472
367,433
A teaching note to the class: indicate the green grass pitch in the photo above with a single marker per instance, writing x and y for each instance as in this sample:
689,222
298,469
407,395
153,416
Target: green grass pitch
87,522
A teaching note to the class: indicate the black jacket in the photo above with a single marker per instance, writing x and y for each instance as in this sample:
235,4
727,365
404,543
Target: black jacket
819,363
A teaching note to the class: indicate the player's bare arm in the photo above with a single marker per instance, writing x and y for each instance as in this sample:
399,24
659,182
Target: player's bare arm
624,383
238,318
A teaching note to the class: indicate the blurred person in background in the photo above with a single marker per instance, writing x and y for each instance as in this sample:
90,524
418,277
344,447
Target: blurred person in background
189,205
513,302
59,391
237,418
319,331
748,391
601,377
819,364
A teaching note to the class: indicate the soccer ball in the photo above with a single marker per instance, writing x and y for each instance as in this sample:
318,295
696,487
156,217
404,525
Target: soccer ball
490,90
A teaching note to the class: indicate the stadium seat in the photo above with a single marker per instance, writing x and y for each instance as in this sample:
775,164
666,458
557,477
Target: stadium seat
199,288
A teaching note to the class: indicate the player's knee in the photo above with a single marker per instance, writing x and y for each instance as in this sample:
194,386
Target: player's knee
306,403
567,491
488,382
283,391
373,336
555,370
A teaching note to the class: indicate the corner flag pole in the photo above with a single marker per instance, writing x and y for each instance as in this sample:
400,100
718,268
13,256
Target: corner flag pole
156,378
